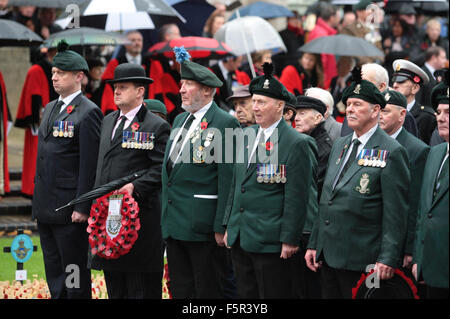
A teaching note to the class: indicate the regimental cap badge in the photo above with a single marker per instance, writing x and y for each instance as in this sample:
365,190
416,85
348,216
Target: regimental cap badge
398,67
266,84
387,96
357,89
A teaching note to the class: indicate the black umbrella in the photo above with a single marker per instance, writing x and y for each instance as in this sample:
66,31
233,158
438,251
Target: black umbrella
16,34
429,7
342,45
103,189
45,3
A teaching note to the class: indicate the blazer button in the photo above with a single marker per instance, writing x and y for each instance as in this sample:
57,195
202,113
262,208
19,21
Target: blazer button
242,190
327,222
169,201
430,215
241,210
330,202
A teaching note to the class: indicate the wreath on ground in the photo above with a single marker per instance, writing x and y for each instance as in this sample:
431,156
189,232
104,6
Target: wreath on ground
102,243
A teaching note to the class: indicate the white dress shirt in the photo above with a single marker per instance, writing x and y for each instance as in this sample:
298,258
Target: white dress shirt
68,99
267,133
130,116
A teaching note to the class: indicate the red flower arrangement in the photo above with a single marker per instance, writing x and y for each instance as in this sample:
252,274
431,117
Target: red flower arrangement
70,108
135,126
101,244
269,146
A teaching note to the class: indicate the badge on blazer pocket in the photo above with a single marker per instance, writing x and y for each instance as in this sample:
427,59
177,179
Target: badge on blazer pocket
364,182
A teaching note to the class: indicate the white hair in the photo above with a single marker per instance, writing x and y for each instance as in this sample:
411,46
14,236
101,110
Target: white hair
322,95
380,73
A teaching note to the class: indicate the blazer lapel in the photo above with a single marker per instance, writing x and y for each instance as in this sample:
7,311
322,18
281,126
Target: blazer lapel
45,124
444,187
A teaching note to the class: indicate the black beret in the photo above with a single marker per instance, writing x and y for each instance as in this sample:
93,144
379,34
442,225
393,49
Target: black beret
68,60
364,90
440,93
307,102
395,98
268,85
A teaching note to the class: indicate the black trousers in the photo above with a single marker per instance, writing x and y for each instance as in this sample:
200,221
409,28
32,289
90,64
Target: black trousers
309,286
261,275
130,285
338,283
192,270
224,268
65,249
437,293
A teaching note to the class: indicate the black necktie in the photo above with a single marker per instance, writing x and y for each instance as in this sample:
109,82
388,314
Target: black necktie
179,143
230,83
119,130
55,112
351,158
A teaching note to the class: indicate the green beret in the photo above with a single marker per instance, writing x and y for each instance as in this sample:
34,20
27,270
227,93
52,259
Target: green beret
155,106
361,5
68,60
194,71
395,98
439,94
268,85
364,90
292,100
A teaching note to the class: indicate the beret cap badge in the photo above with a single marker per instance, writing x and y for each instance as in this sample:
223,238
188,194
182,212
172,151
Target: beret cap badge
266,84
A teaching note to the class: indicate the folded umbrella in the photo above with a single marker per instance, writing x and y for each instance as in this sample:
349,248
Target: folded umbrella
342,45
103,189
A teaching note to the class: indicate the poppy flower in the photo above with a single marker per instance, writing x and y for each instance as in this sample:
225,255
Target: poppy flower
135,126
269,146
70,109
416,79
204,125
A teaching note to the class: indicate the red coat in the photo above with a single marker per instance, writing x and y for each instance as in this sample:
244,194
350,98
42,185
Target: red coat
4,132
322,29
292,80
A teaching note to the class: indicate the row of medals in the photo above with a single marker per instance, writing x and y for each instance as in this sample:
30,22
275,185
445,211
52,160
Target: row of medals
198,155
269,173
138,140
63,129
372,161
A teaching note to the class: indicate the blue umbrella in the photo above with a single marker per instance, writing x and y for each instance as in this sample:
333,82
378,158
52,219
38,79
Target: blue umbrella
264,10
196,12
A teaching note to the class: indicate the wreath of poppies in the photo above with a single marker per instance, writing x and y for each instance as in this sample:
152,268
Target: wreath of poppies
101,243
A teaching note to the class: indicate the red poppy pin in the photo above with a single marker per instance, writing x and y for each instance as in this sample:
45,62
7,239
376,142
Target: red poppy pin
204,124
70,108
269,146
135,126
416,79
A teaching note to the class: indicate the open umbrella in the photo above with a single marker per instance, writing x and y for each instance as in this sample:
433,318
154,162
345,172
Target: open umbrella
430,7
85,36
198,48
45,3
15,34
196,12
103,189
264,10
342,45
159,10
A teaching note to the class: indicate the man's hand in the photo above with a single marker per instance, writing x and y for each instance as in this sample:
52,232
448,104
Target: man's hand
219,239
384,271
129,188
414,271
287,250
79,217
407,259
310,258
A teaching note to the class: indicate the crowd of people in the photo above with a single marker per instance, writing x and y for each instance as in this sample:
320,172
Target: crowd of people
360,176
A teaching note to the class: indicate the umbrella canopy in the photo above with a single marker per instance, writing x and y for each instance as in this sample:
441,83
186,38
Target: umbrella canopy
198,48
85,36
196,12
250,34
16,34
342,45
264,10
431,7
103,189
45,3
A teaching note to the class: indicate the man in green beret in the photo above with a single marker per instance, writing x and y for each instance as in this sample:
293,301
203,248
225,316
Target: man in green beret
195,186
391,121
430,257
268,201
362,217
156,107
68,141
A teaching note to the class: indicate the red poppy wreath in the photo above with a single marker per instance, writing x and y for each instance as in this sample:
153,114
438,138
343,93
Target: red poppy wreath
125,229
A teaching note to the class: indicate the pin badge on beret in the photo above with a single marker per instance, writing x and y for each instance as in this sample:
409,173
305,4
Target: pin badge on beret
387,96
266,84
357,89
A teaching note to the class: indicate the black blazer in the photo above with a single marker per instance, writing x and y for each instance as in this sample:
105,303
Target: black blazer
115,162
65,167
425,119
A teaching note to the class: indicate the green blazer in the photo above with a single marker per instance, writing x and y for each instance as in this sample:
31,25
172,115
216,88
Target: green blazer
185,213
431,244
265,215
417,155
361,224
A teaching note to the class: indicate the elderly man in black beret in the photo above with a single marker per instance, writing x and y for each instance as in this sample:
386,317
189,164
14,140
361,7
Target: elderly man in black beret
68,142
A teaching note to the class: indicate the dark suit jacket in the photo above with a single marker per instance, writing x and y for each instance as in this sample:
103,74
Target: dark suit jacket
65,167
417,155
363,219
224,90
115,162
431,244
425,119
424,95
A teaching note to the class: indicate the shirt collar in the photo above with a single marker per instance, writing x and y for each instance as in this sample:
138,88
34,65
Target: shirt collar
69,98
130,115
223,69
410,105
200,113
130,58
366,136
430,68
396,134
268,131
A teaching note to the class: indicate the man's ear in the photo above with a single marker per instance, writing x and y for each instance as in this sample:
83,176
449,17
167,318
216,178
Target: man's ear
415,88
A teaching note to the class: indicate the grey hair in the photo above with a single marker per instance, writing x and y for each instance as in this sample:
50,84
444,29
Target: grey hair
322,95
381,74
